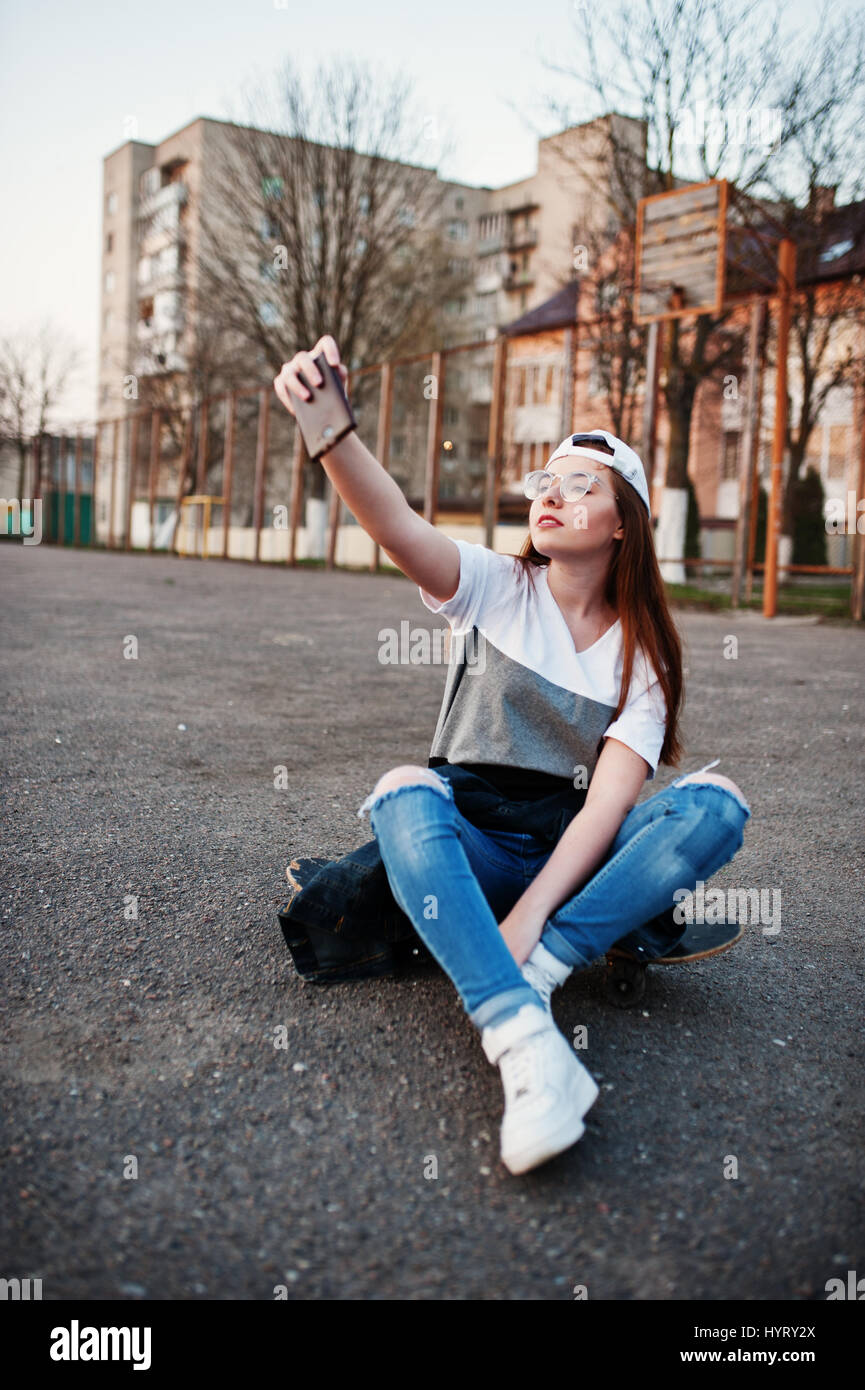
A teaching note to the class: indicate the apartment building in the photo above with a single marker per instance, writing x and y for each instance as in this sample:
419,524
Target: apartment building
514,245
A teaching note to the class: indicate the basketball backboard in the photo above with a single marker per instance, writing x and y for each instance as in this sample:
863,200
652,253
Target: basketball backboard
680,252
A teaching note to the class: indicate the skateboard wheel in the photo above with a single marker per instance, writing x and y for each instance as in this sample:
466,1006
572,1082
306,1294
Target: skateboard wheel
625,982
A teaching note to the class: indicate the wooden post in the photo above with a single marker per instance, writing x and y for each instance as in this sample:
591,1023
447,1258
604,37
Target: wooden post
228,468
382,441
434,440
494,440
297,462
155,433
185,456
36,490
857,589
115,432
131,479
786,281
755,488
76,512
93,477
747,466
650,402
202,447
569,373
260,465
61,492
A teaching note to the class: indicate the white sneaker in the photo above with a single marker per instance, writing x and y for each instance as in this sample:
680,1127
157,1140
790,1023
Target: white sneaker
544,972
547,1088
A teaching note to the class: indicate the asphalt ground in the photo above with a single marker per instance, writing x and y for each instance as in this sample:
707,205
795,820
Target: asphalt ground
146,1043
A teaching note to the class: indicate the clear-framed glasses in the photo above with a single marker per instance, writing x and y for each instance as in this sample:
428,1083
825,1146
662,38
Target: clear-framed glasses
572,486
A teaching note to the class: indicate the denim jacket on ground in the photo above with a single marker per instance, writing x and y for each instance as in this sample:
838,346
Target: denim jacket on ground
345,924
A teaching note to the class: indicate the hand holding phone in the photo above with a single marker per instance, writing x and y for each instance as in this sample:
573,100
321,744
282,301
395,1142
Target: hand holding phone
311,388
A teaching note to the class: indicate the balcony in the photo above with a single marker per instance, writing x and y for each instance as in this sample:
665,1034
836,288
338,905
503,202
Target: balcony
520,238
520,280
171,278
488,282
488,245
169,195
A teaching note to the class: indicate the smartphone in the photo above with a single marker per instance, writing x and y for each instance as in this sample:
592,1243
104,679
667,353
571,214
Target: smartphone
328,417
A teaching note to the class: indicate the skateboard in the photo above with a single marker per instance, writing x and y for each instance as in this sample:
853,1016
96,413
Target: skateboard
625,980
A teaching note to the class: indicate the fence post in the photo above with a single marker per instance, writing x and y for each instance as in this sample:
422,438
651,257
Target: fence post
260,464
76,505
433,440
296,492
748,463
93,476
228,468
494,443
857,592
114,438
155,437
185,457
786,286
131,479
61,492
382,443
202,447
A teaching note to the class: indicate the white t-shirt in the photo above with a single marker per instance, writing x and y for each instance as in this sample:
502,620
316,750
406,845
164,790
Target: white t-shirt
518,695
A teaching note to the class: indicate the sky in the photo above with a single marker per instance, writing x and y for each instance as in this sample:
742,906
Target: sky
77,78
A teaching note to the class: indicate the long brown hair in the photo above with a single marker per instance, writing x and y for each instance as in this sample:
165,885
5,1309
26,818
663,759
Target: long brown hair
635,590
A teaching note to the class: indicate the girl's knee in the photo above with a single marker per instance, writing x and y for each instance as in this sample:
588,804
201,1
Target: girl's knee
718,777
408,774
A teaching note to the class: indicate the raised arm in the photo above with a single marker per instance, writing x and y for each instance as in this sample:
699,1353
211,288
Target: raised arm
424,554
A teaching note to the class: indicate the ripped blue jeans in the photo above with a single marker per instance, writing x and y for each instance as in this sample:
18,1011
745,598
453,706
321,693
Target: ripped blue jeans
456,882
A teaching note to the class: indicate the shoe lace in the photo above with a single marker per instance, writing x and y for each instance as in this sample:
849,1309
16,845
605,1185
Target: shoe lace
519,1068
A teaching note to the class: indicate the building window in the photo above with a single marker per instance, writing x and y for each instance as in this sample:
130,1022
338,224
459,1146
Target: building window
150,182
730,455
272,187
268,313
109,281
458,229
363,204
406,216
109,243
111,205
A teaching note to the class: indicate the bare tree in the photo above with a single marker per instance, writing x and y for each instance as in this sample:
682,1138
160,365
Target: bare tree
829,308
36,369
668,62
314,219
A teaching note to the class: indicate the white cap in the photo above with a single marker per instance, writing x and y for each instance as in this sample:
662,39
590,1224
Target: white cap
623,458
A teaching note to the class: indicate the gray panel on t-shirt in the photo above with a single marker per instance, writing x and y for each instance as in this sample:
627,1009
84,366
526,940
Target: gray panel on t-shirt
495,710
